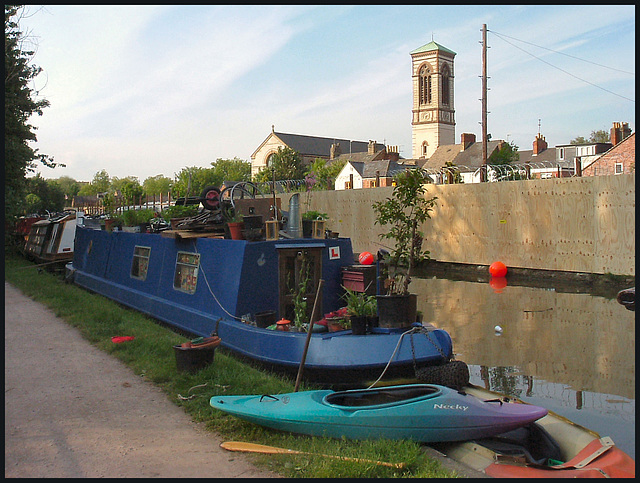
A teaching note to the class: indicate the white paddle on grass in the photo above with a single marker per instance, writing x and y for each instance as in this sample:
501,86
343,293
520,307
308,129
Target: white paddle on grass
261,448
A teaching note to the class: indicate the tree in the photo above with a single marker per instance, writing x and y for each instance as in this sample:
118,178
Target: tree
100,184
43,195
192,180
324,175
507,154
195,179
129,188
231,170
69,186
157,185
600,136
20,103
287,164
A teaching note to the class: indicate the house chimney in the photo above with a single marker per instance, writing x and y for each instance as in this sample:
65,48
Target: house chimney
539,144
619,131
334,152
372,147
467,139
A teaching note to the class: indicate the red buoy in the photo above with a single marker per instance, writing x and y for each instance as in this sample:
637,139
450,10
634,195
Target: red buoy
498,269
365,258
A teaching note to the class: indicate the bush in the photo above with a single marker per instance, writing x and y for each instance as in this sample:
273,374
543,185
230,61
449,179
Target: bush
136,217
179,211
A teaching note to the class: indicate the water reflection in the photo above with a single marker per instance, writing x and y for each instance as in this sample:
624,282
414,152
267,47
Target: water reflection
573,353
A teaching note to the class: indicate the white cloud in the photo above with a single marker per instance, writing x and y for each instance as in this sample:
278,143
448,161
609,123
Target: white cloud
142,90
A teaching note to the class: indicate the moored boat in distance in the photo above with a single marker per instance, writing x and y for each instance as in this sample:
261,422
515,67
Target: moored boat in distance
52,239
207,286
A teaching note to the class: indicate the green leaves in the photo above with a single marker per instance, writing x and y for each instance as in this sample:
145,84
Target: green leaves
405,211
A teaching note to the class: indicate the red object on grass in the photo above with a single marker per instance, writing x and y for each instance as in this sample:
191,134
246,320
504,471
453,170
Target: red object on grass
123,338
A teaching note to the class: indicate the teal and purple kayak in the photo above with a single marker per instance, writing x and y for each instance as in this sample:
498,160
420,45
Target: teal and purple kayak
426,413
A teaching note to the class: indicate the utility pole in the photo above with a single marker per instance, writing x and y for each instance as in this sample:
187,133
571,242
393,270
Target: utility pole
483,171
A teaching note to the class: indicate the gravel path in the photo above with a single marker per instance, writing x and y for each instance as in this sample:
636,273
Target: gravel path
72,410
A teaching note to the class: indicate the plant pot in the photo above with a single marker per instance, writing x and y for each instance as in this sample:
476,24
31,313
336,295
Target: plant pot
333,325
252,222
307,228
396,311
131,229
235,230
191,359
372,321
358,324
109,223
265,319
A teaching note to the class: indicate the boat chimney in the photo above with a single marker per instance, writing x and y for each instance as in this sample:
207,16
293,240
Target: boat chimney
293,223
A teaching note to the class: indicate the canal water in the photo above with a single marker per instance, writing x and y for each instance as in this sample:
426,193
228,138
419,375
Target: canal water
572,353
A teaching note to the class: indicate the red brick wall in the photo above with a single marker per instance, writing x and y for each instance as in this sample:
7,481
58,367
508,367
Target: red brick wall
624,153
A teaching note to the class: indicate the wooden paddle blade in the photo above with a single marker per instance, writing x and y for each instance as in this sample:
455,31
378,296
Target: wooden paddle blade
261,448
255,448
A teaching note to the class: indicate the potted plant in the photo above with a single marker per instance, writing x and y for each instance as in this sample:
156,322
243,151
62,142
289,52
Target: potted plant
405,211
236,225
360,307
177,213
308,217
136,221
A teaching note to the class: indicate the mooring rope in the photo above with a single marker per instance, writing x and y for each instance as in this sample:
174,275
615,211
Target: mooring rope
410,331
209,287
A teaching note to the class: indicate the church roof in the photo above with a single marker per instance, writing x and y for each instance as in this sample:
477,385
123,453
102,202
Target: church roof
320,146
432,46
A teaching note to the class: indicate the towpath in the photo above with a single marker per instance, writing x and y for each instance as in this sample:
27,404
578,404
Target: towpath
72,410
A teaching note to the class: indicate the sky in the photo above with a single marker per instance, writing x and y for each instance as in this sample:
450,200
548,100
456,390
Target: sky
149,90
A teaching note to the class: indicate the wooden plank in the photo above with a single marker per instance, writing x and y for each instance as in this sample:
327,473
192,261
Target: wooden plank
186,234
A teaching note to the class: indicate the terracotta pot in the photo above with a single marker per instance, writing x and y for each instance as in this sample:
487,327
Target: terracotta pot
334,325
235,229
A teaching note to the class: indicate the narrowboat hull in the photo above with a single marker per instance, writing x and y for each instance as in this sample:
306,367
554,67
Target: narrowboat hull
419,412
232,279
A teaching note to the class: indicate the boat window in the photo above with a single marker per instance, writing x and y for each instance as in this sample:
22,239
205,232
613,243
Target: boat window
186,276
140,263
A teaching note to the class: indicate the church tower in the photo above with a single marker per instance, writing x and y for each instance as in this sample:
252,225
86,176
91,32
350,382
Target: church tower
433,121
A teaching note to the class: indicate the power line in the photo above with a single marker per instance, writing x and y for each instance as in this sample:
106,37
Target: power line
562,70
563,53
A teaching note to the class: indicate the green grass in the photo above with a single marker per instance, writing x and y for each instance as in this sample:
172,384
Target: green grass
151,355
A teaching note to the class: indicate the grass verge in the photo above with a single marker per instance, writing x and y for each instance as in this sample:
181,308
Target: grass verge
151,355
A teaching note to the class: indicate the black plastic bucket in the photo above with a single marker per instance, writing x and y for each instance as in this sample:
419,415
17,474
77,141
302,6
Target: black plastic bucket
265,319
191,360
358,325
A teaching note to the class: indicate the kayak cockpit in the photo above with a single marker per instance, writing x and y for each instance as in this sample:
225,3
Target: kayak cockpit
381,396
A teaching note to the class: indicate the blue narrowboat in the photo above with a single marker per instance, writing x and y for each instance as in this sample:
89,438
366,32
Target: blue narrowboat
204,285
